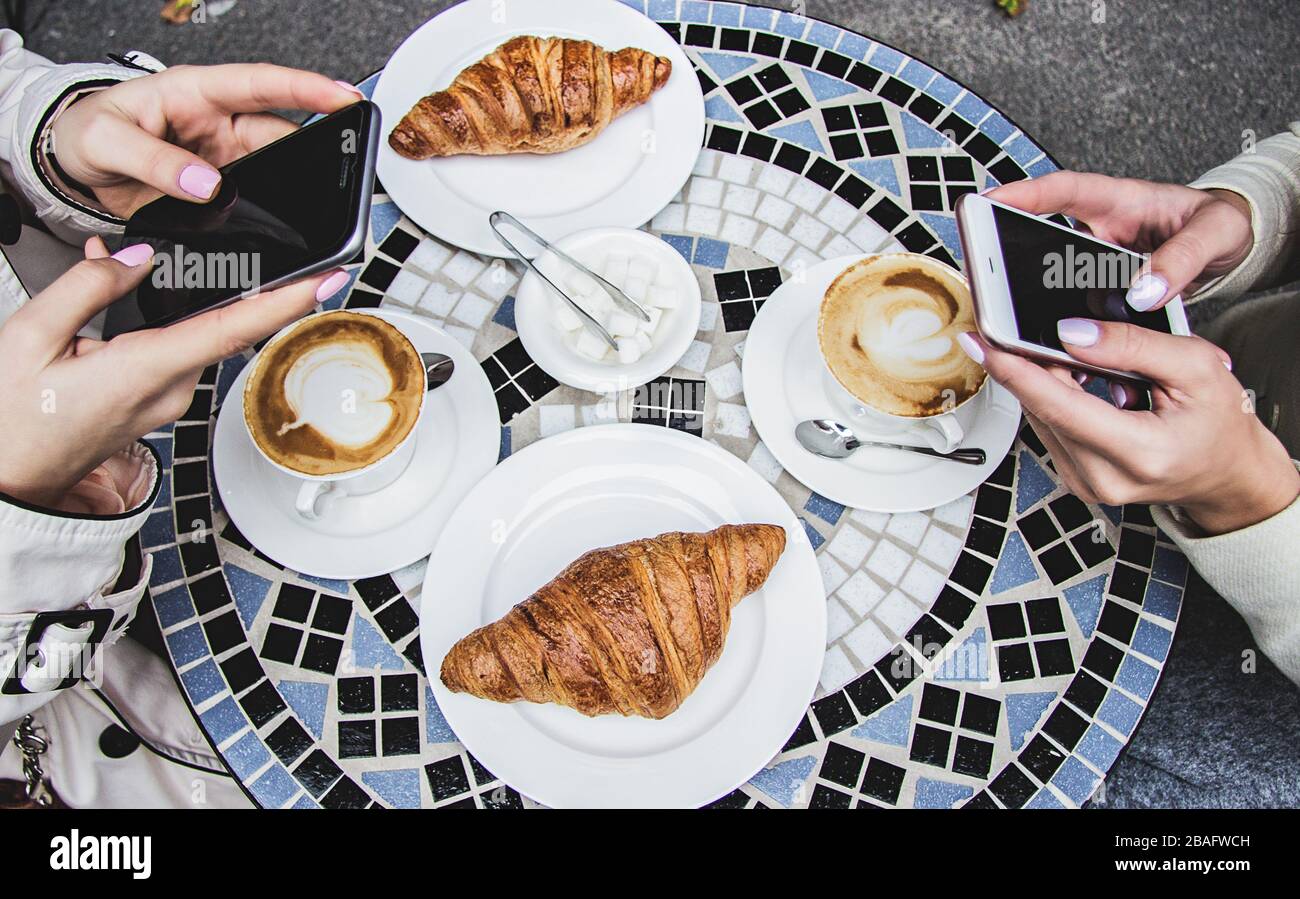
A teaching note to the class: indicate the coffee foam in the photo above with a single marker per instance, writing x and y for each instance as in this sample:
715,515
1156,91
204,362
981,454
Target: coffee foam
888,329
334,394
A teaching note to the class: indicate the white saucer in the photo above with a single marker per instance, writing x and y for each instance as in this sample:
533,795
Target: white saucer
535,304
598,486
784,385
624,176
458,441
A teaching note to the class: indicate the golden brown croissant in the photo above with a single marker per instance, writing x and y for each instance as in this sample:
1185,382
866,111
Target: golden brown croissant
629,628
530,95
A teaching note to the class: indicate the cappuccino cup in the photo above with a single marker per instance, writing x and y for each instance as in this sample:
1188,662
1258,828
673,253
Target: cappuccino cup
887,332
334,401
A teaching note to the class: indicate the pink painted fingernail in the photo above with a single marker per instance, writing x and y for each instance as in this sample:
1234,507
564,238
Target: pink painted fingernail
134,255
1080,378
1146,291
199,181
351,87
331,285
1227,363
971,348
1119,395
1077,331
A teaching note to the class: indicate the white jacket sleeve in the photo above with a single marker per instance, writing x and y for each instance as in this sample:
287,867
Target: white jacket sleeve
32,91
59,562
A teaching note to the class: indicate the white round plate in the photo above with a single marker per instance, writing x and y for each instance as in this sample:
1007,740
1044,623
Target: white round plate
784,385
458,441
599,486
536,303
623,177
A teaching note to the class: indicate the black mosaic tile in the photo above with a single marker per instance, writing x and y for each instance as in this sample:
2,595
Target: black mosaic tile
824,173
882,781
837,118
834,64
939,704
1006,170
768,44
242,670
846,146
758,146
399,244
1045,615
700,35
288,741
952,607
736,799
375,591
400,736
281,643
923,168
1006,621
985,537
1030,438
833,713
940,253
1128,582
731,285
1054,657
332,614
189,441
957,128
842,765
1038,529
864,76
210,593
364,299
887,214
321,653
928,636
925,108
791,102
799,53
764,281
915,237
734,39
896,91
400,692
200,410
317,773
536,382
826,797
981,800
379,273
480,774
1012,787
980,713
1117,622
792,157
762,115
199,557
397,619
413,654
345,794
262,703
927,198
224,632
1059,563
1070,512
744,90
502,797
1090,549
972,757
956,191
930,745
1014,662
1138,514
447,778
854,191
293,602
1065,726
982,148
1102,659
897,668
802,736
1086,692
971,572
993,502
356,694
725,140
357,739
880,143
1041,758
1136,547
868,694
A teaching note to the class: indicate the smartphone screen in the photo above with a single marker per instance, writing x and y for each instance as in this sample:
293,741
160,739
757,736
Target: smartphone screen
1053,273
290,208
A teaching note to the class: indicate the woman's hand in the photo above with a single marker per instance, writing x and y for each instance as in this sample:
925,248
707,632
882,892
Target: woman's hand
1192,235
168,133
1199,447
69,402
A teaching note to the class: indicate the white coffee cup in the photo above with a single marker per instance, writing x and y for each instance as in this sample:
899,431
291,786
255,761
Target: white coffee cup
317,493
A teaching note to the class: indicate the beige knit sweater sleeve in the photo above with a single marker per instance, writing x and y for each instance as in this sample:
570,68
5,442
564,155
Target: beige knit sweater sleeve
1257,569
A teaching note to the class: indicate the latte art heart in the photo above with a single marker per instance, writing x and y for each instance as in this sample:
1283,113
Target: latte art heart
888,331
334,393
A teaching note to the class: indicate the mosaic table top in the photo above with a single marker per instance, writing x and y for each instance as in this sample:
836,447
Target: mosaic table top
996,651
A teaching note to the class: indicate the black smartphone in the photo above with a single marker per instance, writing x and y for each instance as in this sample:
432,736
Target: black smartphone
294,208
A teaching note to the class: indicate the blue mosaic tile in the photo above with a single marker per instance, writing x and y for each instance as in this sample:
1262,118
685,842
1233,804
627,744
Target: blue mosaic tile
223,720
1137,676
945,228
997,127
854,45
919,135
1099,747
371,650
726,14
332,585
304,803
939,793
826,509
335,300
1169,566
308,701
1022,150
662,10
250,591
274,788
436,728
164,499
943,89
681,243
719,108
1085,601
728,65
1075,780
505,314
227,374
791,25
824,87
972,109
1044,798
157,530
163,446
814,536
1152,640
246,755
693,11
1040,168
917,74
504,451
1119,712
400,788
383,218
1015,566
880,172
1023,713
711,253
203,681
969,661
166,567
187,644
638,5
823,35
887,59
173,607
1163,600
1032,483
801,133
759,17
784,781
891,725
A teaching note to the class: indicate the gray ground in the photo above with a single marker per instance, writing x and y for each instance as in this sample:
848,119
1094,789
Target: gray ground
1160,90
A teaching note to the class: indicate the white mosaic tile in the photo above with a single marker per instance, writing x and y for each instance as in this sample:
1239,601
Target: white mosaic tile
897,613
861,593
708,316
837,669
736,169
407,287
473,310
838,213
695,357
671,218
908,526
438,299
889,561
957,512
940,547
801,258
429,255
763,462
706,191
774,211
806,195
463,336
706,163
703,219
738,230
838,621
725,380
876,521
741,199
922,581
773,179
555,419
600,413
868,642
497,281
850,546
773,245
463,268
837,246
808,231
869,236
833,575
731,420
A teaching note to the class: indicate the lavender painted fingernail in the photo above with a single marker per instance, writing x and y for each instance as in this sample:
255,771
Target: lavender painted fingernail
1119,395
1080,378
350,87
1146,291
1078,331
331,285
134,255
971,348
199,181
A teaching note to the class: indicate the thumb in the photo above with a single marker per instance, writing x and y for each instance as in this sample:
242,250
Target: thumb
1206,237
1168,360
122,148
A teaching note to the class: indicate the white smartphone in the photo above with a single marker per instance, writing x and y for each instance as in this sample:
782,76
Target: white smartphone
1027,273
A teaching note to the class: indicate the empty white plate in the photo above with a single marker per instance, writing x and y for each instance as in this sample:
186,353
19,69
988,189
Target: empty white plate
623,177
599,486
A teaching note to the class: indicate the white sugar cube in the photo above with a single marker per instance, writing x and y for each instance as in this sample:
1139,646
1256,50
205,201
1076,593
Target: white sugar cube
591,345
663,297
656,314
629,350
643,340
581,284
636,288
566,319
622,324
616,269
643,267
